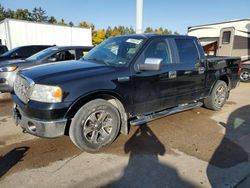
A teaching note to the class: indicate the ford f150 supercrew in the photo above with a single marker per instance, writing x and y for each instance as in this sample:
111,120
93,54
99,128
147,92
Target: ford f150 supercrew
129,79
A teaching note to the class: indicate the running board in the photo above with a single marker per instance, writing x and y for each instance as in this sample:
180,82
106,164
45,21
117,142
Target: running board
146,118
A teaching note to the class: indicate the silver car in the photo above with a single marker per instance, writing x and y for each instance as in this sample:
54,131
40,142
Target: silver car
8,69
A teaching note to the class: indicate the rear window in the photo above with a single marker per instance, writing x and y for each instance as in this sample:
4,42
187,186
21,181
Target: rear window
226,37
187,51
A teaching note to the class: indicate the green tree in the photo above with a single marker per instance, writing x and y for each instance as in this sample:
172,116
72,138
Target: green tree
159,30
131,30
83,24
71,24
9,13
99,36
61,22
108,32
149,30
87,25
166,31
22,14
115,31
39,15
52,20
2,13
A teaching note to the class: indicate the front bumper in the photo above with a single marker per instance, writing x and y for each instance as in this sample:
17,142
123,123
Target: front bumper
37,127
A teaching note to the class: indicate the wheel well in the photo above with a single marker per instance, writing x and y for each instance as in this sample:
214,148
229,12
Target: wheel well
225,79
110,98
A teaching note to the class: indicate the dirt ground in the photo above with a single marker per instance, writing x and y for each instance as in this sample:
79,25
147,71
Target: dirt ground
199,148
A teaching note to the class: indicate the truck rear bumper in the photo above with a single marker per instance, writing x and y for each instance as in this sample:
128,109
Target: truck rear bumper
37,127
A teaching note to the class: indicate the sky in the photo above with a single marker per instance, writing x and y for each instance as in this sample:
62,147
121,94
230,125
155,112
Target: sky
175,15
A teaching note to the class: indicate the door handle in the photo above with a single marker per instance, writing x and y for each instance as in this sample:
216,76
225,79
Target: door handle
123,79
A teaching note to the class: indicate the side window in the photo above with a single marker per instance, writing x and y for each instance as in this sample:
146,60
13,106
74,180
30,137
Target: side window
64,55
24,52
187,51
80,53
226,37
40,48
158,48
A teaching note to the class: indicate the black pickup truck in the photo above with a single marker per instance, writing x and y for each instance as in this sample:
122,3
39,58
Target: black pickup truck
125,80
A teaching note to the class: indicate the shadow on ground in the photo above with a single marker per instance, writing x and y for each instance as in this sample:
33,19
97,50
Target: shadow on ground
5,107
39,153
144,168
232,149
11,159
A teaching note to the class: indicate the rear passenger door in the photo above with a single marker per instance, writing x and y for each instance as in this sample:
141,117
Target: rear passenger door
190,70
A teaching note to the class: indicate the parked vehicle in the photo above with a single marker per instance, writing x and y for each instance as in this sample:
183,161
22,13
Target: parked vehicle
14,33
142,76
245,73
9,69
230,38
21,52
3,49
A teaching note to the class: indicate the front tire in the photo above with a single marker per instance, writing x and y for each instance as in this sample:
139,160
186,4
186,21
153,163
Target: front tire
96,124
217,98
245,75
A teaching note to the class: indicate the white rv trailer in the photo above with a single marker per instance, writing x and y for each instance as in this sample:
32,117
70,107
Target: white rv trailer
15,33
230,38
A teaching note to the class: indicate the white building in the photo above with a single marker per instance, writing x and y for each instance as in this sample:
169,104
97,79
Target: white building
15,33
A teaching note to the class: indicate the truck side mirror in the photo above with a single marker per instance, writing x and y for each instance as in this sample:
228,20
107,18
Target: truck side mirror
153,64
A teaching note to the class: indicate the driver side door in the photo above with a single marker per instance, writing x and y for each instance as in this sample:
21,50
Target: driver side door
155,90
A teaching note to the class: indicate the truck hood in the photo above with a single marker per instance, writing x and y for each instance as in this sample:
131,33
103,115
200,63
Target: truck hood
59,72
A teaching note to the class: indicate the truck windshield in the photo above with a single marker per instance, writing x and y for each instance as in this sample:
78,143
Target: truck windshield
117,51
42,54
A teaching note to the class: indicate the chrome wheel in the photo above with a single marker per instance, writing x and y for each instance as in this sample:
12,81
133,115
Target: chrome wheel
98,127
220,96
245,76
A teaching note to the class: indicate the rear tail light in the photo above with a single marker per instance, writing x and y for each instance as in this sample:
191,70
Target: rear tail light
239,69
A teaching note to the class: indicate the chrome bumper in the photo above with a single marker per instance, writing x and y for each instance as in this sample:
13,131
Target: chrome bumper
41,128
7,81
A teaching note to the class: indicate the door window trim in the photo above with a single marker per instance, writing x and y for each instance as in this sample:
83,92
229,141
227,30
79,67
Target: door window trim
169,48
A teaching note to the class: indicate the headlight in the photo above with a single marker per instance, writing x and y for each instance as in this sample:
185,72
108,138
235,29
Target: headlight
8,69
48,94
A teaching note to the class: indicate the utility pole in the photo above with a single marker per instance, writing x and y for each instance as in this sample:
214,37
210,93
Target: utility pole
139,16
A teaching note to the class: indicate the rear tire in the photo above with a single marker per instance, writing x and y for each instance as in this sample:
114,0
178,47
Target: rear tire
217,98
245,75
96,124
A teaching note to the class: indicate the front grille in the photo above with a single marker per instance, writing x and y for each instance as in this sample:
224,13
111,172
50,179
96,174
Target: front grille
22,88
